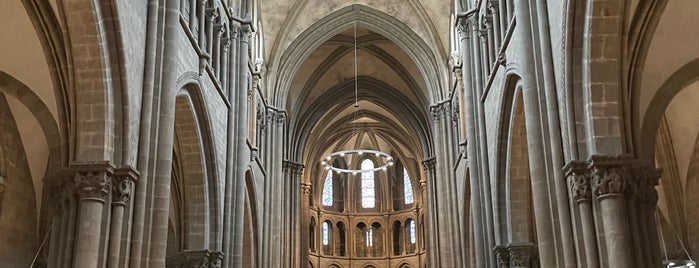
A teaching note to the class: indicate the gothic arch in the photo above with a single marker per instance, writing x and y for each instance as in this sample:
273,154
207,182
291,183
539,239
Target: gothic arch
679,80
190,90
251,243
193,175
369,18
55,136
599,88
99,101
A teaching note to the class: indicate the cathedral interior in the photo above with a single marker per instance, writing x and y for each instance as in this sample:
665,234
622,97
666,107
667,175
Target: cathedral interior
349,133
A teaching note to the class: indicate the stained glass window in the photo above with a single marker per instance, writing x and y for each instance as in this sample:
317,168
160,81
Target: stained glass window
412,232
325,233
407,187
328,190
368,189
370,237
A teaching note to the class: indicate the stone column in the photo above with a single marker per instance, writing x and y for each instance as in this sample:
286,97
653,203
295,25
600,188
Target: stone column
93,182
433,259
305,223
495,16
223,78
216,51
470,98
581,191
193,27
551,255
2,190
122,184
292,212
202,25
610,178
240,141
232,154
647,198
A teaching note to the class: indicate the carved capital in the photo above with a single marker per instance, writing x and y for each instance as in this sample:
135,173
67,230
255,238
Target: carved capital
271,116
522,255
292,168
502,254
2,185
429,163
610,175
122,184
435,113
306,188
646,179
92,185
502,58
579,177
281,118
245,32
196,259
463,23
215,259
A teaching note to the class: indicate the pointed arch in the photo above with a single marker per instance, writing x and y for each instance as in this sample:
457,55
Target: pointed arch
431,69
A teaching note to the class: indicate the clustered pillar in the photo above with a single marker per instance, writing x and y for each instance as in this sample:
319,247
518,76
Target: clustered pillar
86,193
614,200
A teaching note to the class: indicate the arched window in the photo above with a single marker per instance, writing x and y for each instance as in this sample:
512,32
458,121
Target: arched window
410,236
368,188
328,190
407,188
326,233
413,236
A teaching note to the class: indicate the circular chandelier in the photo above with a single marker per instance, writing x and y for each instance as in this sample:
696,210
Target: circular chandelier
329,159
326,164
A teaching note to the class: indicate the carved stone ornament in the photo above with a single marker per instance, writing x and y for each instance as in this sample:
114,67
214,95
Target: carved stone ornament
610,174
579,177
522,255
245,32
92,185
121,191
581,187
502,254
196,259
435,112
429,163
609,182
462,26
305,188
502,58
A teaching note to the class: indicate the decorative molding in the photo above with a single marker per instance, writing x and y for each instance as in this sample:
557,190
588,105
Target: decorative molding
429,164
502,58
122,184
245,32
579,177
92,180
292,168
503,255
306,188
602,175
610,174
463,21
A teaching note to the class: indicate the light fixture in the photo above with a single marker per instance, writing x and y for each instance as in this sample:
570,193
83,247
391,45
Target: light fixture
382,157
676,263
